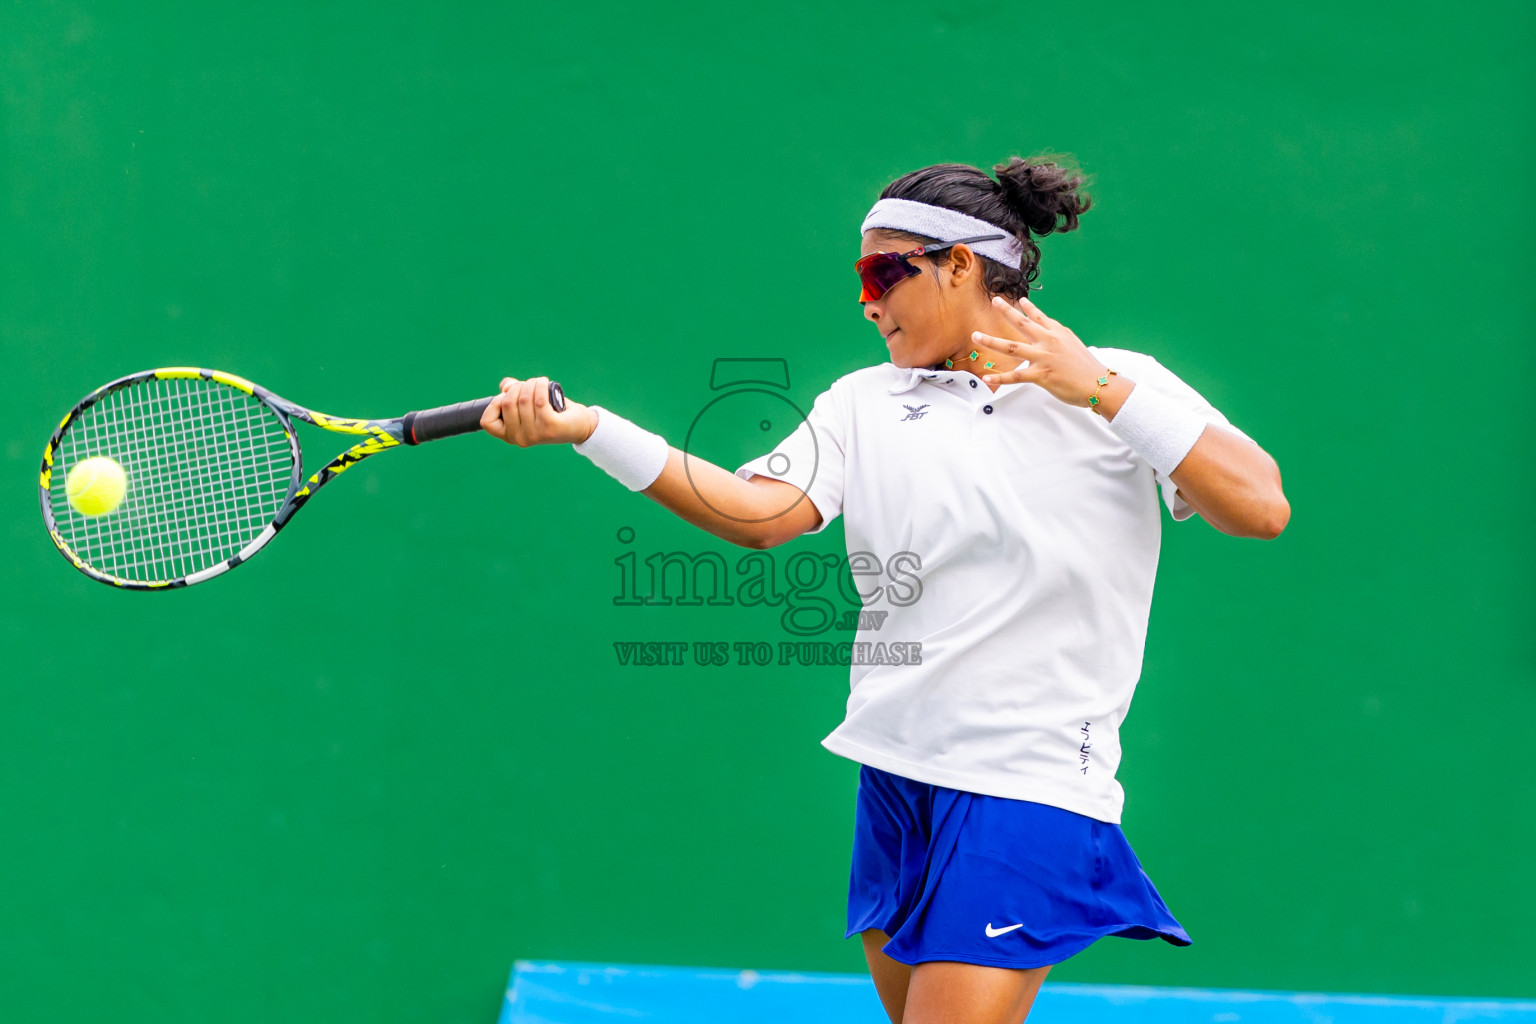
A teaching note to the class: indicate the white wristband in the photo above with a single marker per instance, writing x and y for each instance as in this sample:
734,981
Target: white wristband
625,451
1160,429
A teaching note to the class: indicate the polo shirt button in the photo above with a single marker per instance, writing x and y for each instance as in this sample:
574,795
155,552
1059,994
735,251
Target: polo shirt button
987,409
973,383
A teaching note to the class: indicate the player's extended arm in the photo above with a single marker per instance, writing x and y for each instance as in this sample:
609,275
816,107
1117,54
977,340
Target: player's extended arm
756,513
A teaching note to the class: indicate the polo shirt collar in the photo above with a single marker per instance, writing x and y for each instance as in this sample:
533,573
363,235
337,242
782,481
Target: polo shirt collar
907,377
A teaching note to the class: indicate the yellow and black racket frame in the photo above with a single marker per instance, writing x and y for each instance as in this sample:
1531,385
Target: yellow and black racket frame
376,436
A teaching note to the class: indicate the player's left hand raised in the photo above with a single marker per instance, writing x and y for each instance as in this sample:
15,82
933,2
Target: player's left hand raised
522,415
1057,359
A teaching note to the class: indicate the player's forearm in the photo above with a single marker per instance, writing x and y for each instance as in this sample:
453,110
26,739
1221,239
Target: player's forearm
697,491
1229,481
1234,485
711,498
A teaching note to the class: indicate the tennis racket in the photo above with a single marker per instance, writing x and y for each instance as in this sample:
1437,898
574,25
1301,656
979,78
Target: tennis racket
213,471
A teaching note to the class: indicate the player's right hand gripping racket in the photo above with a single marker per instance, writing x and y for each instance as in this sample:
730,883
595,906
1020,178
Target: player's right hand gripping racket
212,469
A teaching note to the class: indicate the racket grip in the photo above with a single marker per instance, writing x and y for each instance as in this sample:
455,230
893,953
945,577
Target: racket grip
463,418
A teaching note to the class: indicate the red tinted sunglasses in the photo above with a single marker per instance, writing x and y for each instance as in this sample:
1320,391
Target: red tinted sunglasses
882,271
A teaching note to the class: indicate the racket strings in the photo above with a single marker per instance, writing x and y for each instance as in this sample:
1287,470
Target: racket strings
208,467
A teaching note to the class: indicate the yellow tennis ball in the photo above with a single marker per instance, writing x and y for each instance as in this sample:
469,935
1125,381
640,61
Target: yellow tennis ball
96,486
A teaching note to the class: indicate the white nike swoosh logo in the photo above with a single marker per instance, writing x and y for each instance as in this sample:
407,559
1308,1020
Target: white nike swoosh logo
993,933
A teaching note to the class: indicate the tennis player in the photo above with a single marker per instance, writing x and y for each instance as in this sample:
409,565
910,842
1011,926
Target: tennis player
1021,469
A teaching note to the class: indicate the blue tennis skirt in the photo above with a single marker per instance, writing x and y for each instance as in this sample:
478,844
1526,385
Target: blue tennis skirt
950,875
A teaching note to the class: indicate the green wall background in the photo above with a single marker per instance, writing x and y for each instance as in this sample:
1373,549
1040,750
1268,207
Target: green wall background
358,778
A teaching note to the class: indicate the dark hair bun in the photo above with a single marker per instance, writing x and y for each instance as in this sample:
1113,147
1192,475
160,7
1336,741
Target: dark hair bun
1045,192
1030,198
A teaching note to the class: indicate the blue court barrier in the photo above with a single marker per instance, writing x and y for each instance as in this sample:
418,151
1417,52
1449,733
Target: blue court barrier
581,993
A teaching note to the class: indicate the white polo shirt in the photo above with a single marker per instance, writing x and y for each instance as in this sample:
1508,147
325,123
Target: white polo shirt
1031,535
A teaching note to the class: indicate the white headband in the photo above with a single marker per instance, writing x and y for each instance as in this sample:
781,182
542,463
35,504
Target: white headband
945,225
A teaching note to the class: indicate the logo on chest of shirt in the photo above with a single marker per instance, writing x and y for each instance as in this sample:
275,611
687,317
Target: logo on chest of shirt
914,412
